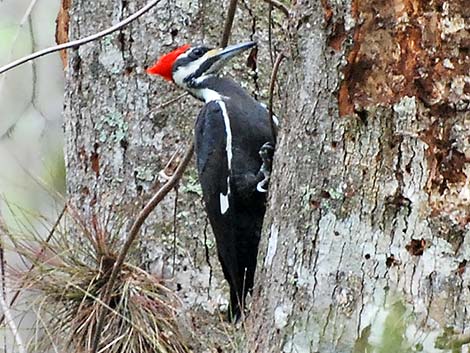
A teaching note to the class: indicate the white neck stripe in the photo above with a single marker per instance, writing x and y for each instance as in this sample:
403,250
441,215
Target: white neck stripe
224,201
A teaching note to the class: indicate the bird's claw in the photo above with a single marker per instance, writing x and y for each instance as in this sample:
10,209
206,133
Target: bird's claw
266,153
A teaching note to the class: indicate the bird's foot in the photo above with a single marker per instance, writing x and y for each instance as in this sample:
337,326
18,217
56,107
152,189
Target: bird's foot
266,153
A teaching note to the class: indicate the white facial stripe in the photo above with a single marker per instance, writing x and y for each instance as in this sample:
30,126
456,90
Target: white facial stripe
184,71
201,78
185,54
179,76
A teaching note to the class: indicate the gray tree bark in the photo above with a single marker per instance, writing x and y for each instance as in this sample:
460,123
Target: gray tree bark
118,140
367,236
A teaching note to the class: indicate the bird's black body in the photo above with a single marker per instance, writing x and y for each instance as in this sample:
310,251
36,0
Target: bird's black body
238,229
234,147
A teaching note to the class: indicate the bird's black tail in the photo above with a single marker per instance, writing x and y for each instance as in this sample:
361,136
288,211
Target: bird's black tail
241,282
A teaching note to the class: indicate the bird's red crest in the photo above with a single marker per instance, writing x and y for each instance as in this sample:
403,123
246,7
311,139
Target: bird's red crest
163,66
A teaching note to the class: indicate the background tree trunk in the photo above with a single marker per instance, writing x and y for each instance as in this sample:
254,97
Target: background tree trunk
367,238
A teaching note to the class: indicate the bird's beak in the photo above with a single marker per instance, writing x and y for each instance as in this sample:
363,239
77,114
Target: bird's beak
232,50
221,55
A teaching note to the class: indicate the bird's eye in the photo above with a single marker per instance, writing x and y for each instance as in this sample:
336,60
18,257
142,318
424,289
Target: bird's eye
197,53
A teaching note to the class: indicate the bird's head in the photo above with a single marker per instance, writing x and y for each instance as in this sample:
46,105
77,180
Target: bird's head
188,66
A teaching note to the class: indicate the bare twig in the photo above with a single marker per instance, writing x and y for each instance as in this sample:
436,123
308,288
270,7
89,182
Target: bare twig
228,23
169,169
3,289
175,227
169,102
27,13
271,92
12,325
279,5
79,42
49,236
133,233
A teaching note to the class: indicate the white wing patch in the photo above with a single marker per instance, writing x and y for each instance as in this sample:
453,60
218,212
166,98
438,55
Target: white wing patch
223,203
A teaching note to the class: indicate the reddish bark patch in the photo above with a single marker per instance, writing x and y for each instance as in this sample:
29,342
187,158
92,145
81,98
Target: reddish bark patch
344,101
85,191
95,159
416,247
327,11
446,164
336,40
95,163
403,48
315,204
62,28
461,268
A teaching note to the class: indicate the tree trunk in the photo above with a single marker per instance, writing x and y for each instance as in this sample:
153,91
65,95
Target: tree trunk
366,240
118,139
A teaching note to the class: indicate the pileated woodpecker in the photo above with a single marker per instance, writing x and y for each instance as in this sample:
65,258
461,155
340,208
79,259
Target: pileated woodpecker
234,148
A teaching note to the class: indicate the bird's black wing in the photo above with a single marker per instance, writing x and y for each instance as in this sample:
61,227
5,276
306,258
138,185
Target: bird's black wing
212,164
211,152
237,227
